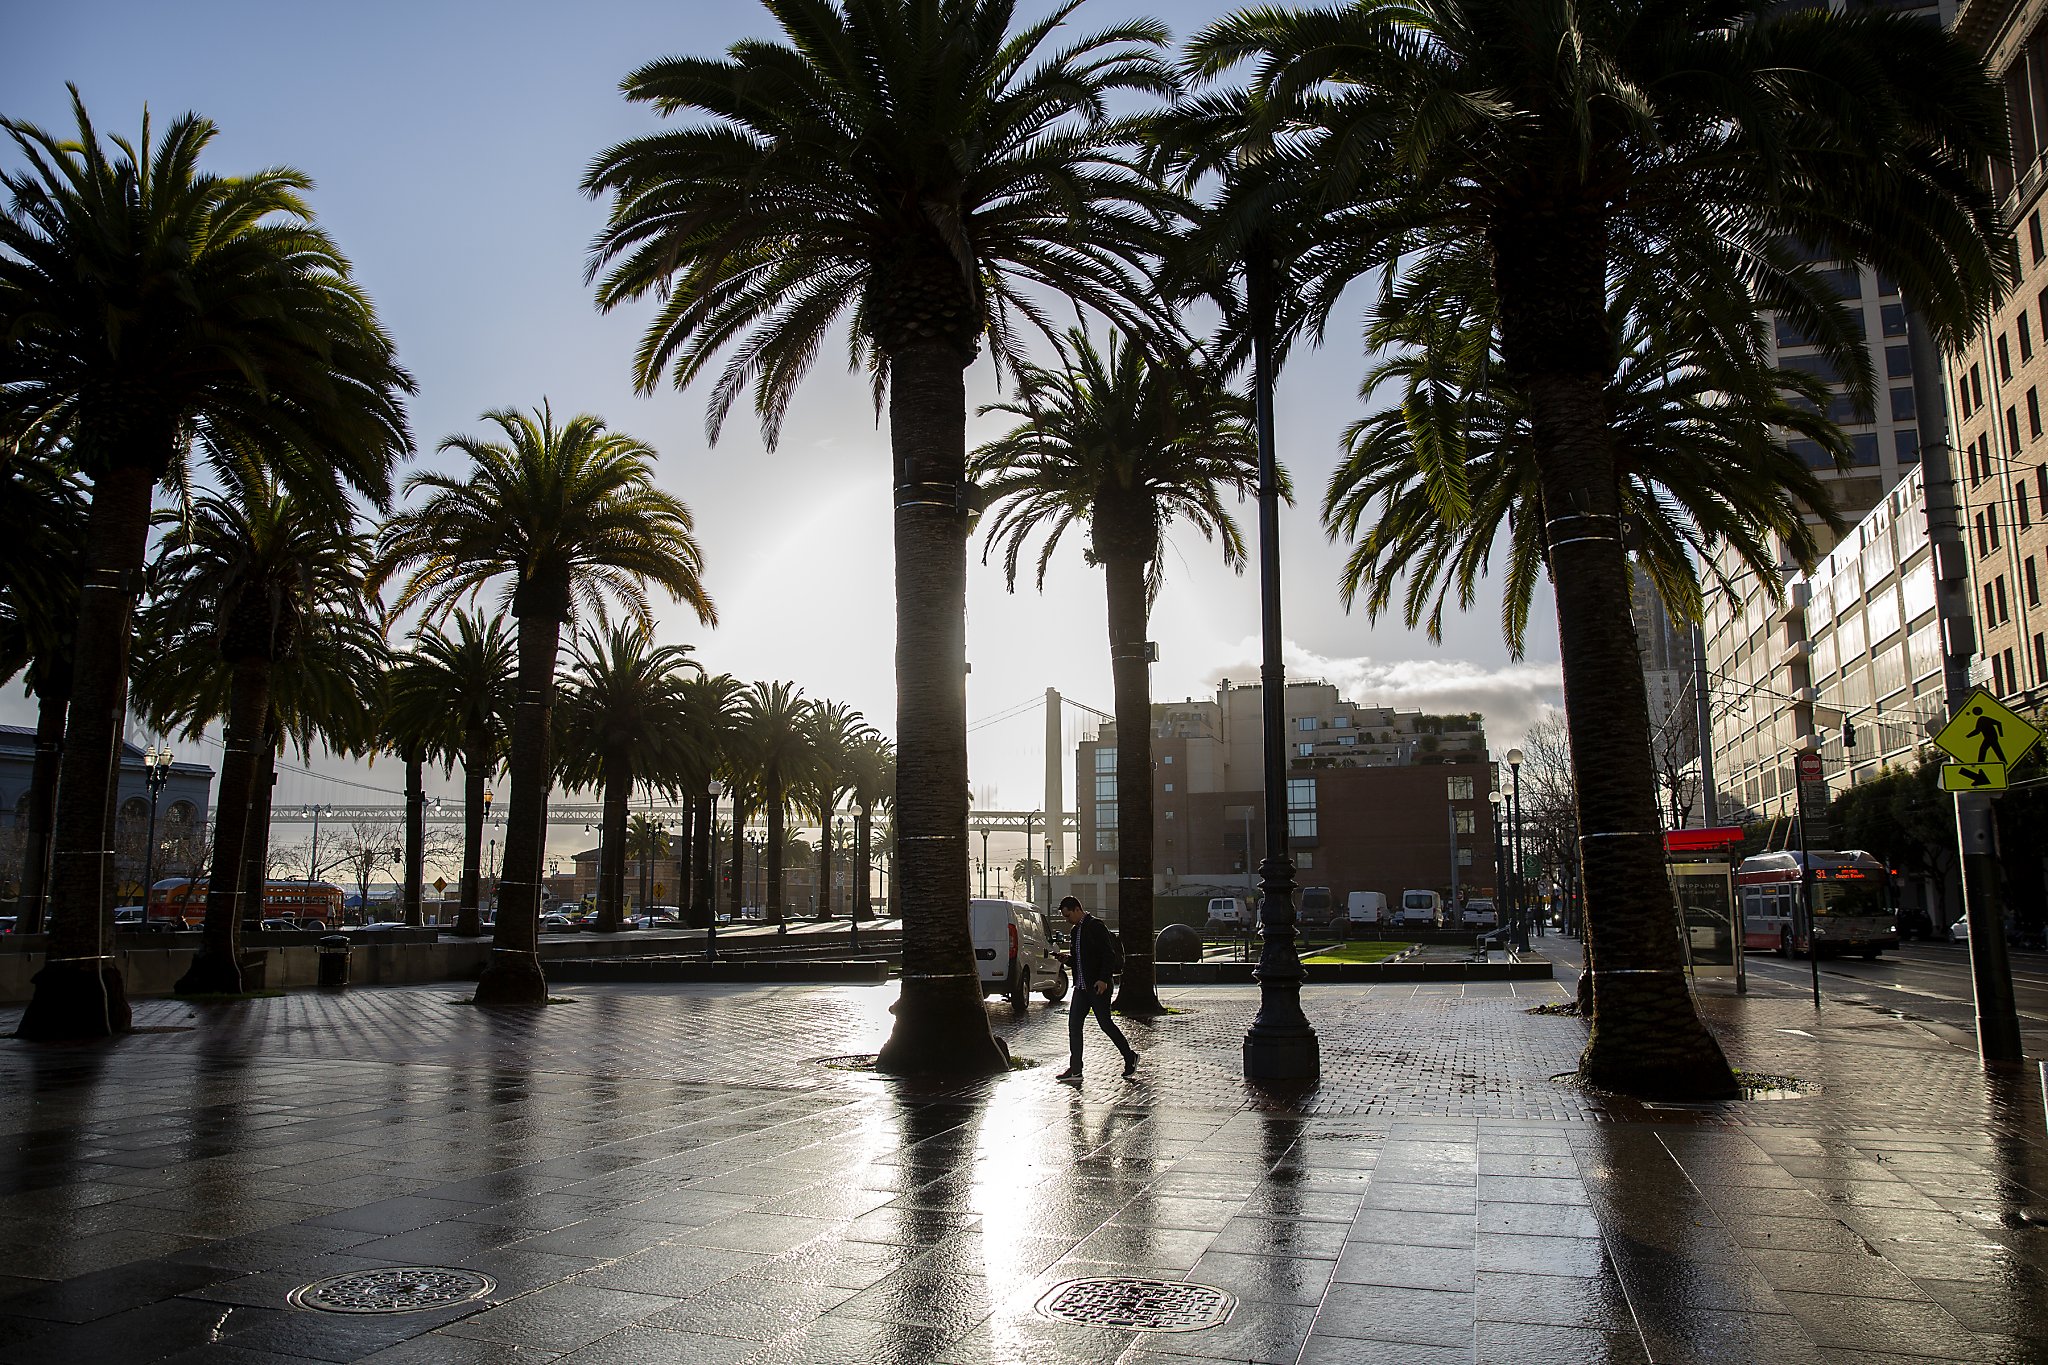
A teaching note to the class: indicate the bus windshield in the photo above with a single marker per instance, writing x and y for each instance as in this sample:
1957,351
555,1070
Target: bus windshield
1848,891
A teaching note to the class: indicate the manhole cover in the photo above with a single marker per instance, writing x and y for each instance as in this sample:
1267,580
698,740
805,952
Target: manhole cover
394,1289
1138,1305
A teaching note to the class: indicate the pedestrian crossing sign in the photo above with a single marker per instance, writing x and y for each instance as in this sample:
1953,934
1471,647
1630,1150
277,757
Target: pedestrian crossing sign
1973,777
1986,732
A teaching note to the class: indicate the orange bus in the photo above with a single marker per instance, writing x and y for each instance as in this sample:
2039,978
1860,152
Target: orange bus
182,901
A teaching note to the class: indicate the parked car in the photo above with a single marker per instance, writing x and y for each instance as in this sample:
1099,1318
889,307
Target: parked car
1421,909
7,923
1317,907
1014,952
376,925
1366,908
279,924
1959,932
659,917
1229,913
1479,914
557,923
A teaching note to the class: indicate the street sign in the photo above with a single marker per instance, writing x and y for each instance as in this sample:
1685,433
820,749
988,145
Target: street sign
660,890
1809,767
1973,777
440,884
1984,731
1812,785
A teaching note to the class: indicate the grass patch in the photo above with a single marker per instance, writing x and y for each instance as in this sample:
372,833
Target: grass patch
221,997
1371,951
1568,1008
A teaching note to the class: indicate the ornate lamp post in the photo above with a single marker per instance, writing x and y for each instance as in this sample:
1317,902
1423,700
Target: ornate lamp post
1281,1044
1521,892
156,770
712,791
1500,854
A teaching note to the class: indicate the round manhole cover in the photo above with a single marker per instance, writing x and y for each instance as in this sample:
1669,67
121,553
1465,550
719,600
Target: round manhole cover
393,1289
1138,1305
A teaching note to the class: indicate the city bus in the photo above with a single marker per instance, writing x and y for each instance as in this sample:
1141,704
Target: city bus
1853,911
181,901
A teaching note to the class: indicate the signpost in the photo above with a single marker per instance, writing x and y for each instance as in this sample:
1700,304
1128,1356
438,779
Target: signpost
1813,831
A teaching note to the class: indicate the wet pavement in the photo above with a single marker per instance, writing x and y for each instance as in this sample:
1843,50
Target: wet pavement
653,1174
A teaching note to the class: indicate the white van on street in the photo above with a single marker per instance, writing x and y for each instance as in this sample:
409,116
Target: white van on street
1014,952
1229,912
1421,909
1366,907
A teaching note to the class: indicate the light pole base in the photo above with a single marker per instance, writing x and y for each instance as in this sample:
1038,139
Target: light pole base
1281,1054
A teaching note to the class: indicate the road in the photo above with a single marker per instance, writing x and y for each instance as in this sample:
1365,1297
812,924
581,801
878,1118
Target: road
1931,980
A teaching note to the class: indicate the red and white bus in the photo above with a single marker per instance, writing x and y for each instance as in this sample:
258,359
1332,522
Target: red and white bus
182,901
1852,909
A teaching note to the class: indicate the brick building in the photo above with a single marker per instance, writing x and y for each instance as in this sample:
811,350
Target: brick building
1378,799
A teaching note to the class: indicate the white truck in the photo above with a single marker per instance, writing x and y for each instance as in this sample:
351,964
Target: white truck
1479,914
1421,909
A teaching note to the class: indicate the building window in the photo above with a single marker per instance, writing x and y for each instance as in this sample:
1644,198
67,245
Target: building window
1307,725
1105,759
1305,750
1991,521
1464,857
2004,360
1892,317
1304,860
1990,605
1465,821
2012,676
1906,444
1976,387
1902,405
1999,583
1301,808
2012,428
1983,545
2033,584
2041,656
1963,395
1458,788
2021,499
1347,741
1341,723
1169,786
2034,414
2034,237
1998,675
1105,841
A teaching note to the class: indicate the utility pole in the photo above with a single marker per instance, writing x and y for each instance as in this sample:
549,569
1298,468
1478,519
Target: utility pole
1055,784
1710,814
1998,1023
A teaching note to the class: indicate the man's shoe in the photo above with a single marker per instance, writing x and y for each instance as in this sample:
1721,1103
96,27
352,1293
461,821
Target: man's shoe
1072,1073
1131,1065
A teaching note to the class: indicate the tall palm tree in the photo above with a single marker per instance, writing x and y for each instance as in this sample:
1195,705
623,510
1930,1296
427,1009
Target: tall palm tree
871,780
931,167
833,732
1572,144
42,544
1431,482
778,724
1124,444
713,714
241,573
145,303
561,514
467,679
621,722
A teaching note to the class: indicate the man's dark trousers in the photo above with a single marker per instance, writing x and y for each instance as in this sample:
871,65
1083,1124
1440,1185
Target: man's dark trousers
1085,1000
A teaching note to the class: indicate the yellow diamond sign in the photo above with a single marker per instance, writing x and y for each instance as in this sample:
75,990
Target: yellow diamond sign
1984,731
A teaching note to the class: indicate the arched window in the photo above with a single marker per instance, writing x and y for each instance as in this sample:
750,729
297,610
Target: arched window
180,814
134,811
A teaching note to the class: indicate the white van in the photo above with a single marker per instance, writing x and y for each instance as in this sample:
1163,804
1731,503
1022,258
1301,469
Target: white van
1229,912
1421,909
1318,906
1366,907
1014,952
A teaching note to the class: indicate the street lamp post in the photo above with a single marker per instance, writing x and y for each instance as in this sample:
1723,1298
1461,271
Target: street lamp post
1030,886
1521,891
712,790
1280,1045
1500,856
156,770
984,862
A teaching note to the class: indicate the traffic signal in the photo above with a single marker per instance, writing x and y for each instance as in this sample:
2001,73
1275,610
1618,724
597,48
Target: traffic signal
1848,734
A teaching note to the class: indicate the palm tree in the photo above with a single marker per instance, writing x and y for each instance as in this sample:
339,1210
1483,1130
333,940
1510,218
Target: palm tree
564,514
871,783
1572,145
646,839
778,722
1124,444
713,711
143,304
466,679
42,543
925,166
240,574
621,722
1430,482
833,732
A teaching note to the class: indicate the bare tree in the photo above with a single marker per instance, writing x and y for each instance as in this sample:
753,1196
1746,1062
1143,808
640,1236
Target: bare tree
362,848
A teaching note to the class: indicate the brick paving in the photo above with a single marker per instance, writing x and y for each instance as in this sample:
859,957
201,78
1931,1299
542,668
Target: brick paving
672,1173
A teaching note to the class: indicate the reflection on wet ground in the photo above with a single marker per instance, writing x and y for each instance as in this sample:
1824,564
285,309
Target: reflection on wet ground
666,1174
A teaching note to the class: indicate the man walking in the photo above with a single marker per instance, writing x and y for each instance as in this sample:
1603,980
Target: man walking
1095,962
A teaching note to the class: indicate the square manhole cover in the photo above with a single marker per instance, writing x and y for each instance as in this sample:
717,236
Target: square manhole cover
1137,1305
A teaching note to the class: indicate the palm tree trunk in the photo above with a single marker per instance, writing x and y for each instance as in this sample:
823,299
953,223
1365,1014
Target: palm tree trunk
778,813
53,696
1646,1038
415,841
611,882
684,850
740,814
863,907
256,830
706,851
79,993
216,967
825,860
513,975
1131,679
941,1026
468,921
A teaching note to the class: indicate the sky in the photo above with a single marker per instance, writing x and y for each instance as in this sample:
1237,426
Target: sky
446,141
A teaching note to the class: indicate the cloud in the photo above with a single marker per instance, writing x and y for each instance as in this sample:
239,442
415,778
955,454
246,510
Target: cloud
1511,697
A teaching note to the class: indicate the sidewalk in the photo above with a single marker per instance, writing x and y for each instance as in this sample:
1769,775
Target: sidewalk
655,1174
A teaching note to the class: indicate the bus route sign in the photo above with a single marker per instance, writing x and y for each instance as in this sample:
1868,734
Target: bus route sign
1985,732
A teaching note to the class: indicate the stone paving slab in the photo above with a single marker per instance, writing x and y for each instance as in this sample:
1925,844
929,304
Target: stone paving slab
674,1174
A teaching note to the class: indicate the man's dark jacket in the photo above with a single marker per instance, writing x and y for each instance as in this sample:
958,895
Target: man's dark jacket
1093,952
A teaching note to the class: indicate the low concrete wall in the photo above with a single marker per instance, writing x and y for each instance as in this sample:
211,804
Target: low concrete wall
802,971
1356,973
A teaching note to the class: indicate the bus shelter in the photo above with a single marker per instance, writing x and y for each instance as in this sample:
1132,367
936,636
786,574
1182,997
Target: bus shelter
1701,865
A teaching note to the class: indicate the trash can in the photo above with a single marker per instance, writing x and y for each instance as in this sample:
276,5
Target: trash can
334,960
